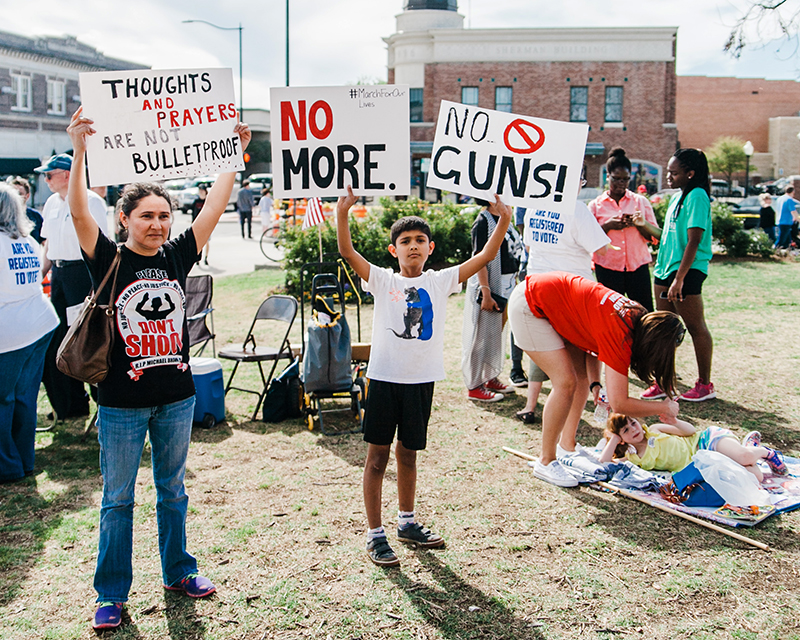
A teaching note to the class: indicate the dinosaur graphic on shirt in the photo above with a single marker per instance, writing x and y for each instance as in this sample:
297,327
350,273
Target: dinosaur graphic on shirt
419,313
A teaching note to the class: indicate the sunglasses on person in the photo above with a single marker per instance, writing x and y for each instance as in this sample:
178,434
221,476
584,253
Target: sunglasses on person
49,175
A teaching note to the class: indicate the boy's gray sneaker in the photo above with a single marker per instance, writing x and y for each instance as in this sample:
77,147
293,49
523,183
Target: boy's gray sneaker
381,553
417,534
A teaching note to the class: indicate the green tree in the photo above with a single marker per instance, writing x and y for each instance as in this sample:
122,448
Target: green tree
726,156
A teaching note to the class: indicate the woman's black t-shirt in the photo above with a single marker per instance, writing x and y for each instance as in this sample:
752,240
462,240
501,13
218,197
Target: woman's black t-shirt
150,356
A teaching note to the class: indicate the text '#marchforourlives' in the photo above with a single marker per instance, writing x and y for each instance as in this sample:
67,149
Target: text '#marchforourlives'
159,124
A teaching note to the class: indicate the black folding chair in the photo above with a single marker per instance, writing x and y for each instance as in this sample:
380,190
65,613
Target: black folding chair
275,308
199,313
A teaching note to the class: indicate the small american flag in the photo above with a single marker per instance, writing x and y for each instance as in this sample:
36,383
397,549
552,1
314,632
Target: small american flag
314,215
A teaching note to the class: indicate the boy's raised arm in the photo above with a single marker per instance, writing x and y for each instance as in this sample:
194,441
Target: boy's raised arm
343,239
484,257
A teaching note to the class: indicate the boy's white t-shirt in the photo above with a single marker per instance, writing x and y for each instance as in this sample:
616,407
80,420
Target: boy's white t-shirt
25,312
408,324
565,243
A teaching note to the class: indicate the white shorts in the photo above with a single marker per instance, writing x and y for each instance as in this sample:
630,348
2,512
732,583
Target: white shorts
530,333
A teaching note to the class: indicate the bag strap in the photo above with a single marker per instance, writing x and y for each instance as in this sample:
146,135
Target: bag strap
115,268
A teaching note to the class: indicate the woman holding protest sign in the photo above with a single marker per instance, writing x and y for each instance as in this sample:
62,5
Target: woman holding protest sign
149,388
557,318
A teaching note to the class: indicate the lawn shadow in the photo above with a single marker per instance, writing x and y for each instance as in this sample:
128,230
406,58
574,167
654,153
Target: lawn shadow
448,607
29,516
640,525
183,621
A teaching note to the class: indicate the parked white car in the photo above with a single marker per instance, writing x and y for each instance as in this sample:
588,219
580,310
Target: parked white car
188,194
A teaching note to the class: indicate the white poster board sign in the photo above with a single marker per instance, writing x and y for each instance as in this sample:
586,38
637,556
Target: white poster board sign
154,124
529,162
326,138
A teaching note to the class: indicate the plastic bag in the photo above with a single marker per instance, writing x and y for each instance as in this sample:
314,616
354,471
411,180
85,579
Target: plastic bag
730,480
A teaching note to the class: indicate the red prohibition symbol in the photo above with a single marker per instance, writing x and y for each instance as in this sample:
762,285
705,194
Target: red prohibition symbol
520,127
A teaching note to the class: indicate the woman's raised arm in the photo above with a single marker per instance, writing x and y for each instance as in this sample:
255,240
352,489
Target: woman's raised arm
85,226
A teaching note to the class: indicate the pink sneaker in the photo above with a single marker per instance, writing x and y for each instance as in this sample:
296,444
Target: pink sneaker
699,393
484,395
495,385
653,393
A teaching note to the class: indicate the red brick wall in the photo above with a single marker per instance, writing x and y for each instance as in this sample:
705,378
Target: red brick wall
709,108
542,89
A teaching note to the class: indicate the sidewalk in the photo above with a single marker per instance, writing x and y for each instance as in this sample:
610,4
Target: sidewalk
229,253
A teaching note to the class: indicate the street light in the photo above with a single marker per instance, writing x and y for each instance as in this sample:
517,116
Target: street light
239,29
748,151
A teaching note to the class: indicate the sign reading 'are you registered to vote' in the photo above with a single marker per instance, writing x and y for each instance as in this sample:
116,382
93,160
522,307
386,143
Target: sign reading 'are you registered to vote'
326,138
529,162
155,124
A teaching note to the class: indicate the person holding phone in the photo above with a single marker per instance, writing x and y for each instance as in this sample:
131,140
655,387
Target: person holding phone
629,221
682,263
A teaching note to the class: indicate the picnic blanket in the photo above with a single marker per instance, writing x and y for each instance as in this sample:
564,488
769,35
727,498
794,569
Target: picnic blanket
784,491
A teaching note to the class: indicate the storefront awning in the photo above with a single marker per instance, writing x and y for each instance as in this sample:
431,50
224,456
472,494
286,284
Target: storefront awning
18,166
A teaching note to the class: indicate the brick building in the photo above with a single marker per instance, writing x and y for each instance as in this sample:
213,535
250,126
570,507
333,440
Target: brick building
620,81
38,94
762,111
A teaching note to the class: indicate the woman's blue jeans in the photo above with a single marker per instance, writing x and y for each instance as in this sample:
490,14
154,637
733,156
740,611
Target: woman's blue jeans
20,376
121,433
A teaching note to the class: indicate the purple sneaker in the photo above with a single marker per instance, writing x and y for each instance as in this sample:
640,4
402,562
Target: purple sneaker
775,461
752,439
108,615
194,586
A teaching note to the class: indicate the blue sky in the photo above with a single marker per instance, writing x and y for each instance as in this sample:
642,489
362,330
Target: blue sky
335,42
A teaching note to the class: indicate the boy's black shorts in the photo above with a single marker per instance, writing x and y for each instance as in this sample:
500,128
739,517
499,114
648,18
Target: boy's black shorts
692,283
402,408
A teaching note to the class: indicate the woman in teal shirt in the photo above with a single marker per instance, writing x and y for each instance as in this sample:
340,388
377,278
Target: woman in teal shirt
682,263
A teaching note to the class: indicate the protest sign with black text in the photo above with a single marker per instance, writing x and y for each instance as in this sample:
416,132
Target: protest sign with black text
326,138
530,162
154,124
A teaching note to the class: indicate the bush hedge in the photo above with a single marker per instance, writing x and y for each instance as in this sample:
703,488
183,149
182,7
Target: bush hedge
728,231
450,228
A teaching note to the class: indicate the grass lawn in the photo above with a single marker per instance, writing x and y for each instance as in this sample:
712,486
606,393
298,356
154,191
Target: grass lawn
276,516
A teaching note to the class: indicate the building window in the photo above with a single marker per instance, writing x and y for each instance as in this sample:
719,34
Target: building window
502,98
613,104
469,96
578,104
56,97
415,96
21,86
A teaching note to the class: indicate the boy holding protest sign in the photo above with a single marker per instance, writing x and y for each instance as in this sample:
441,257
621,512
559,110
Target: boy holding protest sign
407,358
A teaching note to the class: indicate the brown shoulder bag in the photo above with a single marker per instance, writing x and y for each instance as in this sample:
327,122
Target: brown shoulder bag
85,352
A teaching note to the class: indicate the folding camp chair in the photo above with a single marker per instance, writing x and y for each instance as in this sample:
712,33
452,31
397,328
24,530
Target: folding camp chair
275,308
199,313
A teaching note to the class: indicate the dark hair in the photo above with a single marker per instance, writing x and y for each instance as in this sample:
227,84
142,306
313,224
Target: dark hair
614,424
410,223
693,160
617,159
481,203
19,181
137,191
656,336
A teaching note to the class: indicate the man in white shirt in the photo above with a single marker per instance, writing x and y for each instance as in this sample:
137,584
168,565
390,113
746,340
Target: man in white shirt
69,279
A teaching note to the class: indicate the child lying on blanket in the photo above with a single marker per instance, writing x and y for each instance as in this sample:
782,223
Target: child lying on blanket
669,445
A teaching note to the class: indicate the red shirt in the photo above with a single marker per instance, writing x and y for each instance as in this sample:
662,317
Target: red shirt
585,313
634,251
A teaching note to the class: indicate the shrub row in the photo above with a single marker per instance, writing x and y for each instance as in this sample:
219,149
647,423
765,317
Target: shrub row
450,228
